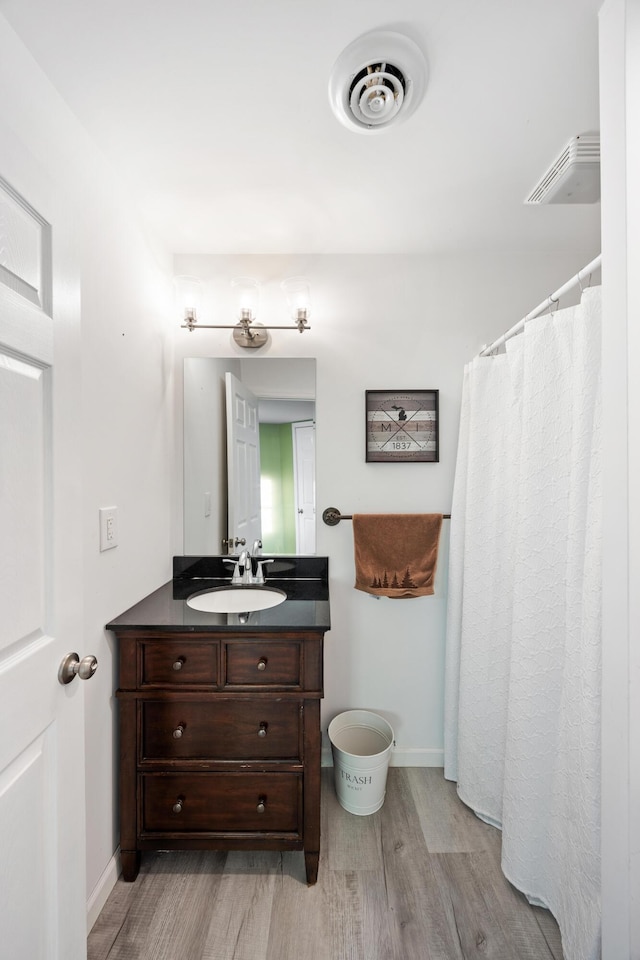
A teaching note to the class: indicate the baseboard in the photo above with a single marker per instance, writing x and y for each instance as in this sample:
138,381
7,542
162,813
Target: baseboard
102,889
401,757
416,757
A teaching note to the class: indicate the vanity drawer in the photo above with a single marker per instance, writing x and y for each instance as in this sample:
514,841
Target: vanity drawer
213,802
176,663
263,663
226,730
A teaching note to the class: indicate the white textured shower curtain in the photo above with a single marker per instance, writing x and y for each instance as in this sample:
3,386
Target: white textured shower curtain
522,693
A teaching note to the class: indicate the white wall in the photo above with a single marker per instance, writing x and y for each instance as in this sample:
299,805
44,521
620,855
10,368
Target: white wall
118,359
126,407
280,379
392,323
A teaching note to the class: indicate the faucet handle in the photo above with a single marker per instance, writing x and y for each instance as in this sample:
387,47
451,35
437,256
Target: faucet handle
259,577
236,577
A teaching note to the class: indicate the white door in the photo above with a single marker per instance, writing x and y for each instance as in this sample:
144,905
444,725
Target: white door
42,860
304,461
243,465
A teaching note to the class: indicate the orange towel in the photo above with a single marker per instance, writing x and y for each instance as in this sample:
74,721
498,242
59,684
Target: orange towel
396,553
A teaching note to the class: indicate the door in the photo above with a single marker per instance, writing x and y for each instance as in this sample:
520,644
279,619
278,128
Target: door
304,461
243,465
42,866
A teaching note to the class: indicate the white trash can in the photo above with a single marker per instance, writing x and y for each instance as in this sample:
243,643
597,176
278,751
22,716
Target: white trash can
361,744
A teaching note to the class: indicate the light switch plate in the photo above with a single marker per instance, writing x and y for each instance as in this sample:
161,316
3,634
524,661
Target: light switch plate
108,527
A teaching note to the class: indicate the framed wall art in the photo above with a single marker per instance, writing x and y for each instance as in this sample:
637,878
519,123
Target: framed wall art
402,426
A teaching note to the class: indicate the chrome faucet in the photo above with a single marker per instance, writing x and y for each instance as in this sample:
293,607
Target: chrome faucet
242,573
244,566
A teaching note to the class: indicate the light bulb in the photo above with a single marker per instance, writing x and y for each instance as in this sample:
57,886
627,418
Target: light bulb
247,297
188,296
298,294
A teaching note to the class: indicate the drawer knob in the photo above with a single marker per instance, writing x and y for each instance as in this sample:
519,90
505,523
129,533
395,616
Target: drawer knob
178,664
262,663
262,729
262,805
179,730
177,807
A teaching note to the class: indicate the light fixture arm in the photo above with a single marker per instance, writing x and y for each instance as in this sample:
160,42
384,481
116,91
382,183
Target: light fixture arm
191,324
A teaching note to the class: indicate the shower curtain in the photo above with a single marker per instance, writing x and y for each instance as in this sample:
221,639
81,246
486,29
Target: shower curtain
522,691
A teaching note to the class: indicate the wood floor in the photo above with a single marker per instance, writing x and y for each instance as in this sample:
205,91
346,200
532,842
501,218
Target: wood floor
419,880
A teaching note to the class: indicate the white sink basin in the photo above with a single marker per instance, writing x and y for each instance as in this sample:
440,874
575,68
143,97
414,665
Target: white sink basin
236,599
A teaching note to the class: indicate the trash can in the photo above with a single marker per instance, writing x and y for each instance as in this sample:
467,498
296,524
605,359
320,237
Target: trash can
361,744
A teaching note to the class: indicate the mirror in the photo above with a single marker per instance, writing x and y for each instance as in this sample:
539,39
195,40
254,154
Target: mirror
285,392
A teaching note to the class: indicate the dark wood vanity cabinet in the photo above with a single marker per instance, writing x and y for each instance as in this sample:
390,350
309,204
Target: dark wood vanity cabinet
219,742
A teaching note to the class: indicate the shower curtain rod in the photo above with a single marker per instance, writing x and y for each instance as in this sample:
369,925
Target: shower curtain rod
553,298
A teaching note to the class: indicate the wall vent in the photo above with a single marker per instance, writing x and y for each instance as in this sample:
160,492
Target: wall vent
575,175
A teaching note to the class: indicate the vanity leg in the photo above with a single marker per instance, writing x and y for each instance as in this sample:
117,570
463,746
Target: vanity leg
129,855
311,864
130,860
312,752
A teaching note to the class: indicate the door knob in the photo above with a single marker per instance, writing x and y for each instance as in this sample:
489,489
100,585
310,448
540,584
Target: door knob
231,542
72,665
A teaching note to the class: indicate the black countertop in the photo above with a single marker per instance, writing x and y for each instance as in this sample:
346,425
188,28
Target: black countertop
304,580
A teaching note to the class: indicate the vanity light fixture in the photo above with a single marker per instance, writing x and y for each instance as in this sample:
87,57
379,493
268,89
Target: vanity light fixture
247,332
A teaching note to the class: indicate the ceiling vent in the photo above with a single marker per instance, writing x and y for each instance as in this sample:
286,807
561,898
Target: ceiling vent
575,175
378,80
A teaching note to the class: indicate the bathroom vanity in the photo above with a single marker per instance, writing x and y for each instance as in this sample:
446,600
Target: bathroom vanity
219,716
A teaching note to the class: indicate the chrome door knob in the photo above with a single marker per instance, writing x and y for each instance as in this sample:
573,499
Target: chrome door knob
72,666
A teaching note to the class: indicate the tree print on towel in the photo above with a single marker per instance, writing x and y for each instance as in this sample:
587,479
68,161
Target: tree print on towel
406,584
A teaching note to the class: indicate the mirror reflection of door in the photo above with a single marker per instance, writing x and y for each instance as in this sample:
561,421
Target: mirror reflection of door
243,465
